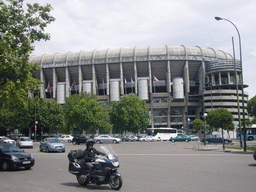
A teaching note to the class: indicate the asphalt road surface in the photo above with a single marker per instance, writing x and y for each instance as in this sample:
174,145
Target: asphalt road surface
144,166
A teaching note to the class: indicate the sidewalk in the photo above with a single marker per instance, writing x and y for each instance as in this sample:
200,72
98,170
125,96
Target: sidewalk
220,149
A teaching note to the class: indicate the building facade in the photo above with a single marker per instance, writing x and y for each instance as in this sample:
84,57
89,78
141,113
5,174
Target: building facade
179,83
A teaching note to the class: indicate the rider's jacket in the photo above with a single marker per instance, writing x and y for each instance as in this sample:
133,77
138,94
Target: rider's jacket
89,154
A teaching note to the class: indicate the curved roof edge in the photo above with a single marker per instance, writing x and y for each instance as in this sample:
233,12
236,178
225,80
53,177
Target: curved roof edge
136,52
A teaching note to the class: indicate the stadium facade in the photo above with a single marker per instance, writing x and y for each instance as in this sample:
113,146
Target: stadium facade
179,83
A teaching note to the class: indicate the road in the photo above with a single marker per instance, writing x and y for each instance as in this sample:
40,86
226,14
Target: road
144,166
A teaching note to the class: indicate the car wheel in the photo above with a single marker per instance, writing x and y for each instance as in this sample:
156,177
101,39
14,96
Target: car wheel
69,141
74,143
186,140
226,142
40,148
6,166
98,141
250,138
207,142
114,141
63,151
47,150
173,141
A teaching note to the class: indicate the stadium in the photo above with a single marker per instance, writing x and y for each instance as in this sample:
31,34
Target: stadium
178,83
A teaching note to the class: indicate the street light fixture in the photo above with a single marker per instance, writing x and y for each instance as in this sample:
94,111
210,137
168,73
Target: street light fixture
240,49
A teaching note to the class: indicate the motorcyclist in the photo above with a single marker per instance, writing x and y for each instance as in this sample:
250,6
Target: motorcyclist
89,155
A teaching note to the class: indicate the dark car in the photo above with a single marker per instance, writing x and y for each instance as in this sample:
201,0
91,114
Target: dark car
14,137
12,157
123,138
79,139
215,139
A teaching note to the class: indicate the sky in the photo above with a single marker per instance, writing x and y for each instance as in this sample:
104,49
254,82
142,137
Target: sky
100,24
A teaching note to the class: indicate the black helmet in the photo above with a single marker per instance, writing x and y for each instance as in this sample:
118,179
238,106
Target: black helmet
89,142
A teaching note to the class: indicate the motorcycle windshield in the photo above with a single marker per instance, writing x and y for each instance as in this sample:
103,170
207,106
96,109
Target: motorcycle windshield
109,151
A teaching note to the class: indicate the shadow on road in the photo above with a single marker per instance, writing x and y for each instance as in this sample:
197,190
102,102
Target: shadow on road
89,186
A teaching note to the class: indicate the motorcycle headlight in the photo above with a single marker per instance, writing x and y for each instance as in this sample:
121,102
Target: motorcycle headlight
116,164
15,159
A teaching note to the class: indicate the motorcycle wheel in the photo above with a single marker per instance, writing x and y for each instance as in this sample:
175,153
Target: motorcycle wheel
81,179
115,182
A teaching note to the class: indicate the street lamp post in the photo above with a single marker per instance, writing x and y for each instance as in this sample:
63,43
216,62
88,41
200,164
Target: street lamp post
205,115
240,49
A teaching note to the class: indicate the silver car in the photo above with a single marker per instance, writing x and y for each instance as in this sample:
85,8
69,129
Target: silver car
52,144
7,140
24,142
106,139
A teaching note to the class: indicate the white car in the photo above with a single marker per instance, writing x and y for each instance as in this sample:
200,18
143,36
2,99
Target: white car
67,138
106,139
4,139
148,138
24,142
194,137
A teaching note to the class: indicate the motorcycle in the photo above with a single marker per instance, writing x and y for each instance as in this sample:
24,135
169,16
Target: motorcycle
105,168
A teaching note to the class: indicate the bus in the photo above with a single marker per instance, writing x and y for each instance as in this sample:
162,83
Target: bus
250,133
163,133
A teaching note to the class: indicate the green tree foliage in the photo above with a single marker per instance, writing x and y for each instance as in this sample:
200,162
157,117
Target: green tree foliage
19,30
83,111
129,114
220,118
251,107
53,116
198,124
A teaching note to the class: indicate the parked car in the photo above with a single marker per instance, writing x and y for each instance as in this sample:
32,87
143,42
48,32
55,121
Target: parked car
66,138
14,137
146,138
106,139
24,142
52,144
132,138
4,139
79,139
12,157
215,139
254,153
180,138
123,138
194,137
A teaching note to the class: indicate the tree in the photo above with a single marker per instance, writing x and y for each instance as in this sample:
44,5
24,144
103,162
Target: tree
251,107
220,118
83,111
198,124
19,30
129,114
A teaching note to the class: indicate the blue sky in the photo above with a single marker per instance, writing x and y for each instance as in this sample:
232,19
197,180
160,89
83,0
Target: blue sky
101,24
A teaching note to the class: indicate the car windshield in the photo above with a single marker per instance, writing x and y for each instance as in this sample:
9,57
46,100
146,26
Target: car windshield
53,140
9,148
25,139
6,138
